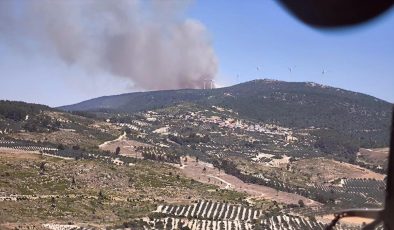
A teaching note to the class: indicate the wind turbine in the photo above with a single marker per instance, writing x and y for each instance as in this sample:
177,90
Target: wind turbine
291,68
324,71
212,85
208,83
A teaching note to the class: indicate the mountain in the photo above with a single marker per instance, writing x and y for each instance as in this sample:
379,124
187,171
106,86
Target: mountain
337,112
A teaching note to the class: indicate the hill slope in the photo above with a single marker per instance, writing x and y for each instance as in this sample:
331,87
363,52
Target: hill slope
364,118
35,122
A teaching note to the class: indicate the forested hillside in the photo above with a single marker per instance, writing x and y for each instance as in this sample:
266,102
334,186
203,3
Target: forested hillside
354,119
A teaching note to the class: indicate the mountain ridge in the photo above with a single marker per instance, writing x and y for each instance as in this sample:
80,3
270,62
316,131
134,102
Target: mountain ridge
88,104
345,115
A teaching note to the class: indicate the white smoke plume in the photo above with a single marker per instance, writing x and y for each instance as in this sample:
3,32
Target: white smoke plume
150,43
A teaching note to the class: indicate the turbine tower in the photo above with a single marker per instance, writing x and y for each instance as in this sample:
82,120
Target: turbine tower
208,83
212,85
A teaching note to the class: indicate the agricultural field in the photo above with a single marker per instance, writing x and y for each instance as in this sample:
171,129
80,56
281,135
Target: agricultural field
47,189
184,166
212,175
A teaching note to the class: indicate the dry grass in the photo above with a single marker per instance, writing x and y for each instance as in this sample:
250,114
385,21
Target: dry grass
194,170
321,170
78,131
353,221
129,191
64,137
374,156
127,147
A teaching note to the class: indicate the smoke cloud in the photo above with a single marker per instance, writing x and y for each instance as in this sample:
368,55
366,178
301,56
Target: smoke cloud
150,43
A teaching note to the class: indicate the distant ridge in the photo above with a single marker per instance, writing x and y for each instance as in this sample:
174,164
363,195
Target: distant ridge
292,104
140,101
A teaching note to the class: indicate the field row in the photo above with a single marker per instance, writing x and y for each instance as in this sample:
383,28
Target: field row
27,147
212,211
171,223
280,222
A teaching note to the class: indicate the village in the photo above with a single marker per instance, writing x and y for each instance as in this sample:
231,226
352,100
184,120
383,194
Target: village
254,172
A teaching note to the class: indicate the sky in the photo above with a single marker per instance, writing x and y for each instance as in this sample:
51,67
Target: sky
251,39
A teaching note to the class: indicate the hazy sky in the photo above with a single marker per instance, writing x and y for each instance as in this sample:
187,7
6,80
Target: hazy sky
245,35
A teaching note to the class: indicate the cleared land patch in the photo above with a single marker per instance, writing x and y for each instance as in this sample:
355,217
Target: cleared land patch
127,147
376,157
324,170
195,170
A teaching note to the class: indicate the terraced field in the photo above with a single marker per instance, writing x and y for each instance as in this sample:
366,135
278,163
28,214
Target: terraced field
212,211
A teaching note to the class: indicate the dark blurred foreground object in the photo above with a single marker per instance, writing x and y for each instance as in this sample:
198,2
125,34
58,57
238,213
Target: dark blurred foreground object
336,13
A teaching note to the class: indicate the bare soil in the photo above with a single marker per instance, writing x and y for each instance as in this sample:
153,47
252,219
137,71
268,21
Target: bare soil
194,170
375,156
18,154
357,221
127,147
322,170
62,136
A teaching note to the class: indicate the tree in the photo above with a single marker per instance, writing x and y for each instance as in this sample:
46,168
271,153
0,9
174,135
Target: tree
60,147
117,150
301,203
159,225
53,202
101,195
42,167
180,224
73,183
312,218
127,130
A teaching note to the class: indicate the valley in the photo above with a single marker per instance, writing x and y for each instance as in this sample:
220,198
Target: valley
193,162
